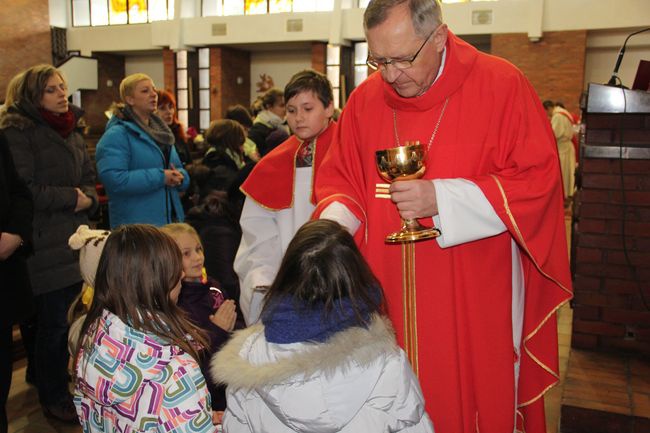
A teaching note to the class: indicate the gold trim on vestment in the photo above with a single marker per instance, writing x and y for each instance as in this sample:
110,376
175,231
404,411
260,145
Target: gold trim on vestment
409,301
365,222
293,191
547,317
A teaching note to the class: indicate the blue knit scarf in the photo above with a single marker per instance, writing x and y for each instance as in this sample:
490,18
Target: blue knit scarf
288,322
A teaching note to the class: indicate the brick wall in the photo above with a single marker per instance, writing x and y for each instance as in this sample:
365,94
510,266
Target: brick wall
318,56
555,65
612,296
169,70
227,66
25,37
110,68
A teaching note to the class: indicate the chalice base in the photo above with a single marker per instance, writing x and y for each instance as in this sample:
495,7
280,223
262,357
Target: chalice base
405,235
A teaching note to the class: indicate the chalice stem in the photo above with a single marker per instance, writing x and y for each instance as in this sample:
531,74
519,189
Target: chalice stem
411,225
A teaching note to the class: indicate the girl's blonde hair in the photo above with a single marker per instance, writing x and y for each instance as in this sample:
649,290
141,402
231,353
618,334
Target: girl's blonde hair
176,229
127,86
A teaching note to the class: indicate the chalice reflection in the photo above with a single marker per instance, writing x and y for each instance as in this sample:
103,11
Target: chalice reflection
405,163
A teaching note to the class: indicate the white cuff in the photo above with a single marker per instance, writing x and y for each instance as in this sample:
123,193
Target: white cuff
464,213
338,212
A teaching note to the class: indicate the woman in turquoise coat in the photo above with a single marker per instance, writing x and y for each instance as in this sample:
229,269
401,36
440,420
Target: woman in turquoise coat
137,161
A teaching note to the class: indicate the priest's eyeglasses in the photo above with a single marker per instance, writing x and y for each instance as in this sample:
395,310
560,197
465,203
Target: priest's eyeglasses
397,63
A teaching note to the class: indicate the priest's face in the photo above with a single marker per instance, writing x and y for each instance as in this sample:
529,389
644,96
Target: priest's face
395,39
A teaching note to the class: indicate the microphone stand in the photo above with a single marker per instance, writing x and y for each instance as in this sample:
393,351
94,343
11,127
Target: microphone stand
614,77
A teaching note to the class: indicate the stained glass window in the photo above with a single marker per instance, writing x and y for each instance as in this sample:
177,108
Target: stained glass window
109,12
138,11
277,6
256,7
117,12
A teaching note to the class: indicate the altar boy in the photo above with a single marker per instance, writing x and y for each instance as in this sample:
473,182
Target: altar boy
279,190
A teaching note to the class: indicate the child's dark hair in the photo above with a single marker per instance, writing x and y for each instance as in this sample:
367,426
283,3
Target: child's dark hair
137,270
226,134
310,81
240,114
323,265
271,97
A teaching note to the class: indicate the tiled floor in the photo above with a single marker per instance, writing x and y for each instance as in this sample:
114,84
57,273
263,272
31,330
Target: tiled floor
24,412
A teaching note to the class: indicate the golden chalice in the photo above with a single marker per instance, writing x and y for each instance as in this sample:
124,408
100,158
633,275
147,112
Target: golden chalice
405,163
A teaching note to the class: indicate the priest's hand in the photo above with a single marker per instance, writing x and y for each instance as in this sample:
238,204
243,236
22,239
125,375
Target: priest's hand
414,198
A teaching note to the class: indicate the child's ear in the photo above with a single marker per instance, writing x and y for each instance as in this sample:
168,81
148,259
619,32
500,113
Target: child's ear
329,110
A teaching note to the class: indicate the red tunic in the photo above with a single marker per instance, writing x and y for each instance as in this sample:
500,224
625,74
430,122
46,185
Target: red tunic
494,133
270,184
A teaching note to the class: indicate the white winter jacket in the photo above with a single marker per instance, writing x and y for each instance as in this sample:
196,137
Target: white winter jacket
358,381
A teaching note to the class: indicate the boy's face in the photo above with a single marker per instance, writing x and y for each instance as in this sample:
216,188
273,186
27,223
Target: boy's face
306,115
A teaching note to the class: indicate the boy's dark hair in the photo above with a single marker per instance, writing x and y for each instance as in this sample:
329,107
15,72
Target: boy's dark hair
240,114
310,81
137,270
548,104
323,265
226,134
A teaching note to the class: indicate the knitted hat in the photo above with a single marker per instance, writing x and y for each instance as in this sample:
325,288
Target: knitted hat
90,244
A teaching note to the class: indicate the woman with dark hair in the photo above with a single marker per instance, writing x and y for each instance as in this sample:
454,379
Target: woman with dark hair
49,152
137,357
16,213
137,161
225,156
270,118
167,112
324,354
240,114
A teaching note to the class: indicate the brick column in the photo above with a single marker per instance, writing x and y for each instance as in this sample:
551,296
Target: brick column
318,56
230,79
555,65
169,70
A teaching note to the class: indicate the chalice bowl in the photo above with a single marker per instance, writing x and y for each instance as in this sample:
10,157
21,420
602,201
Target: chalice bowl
398,164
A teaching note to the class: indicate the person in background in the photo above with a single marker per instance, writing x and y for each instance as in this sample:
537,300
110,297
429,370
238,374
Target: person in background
271,117
225,156
324,358
49,152
279,196
240,114
16,213
136,367
474,308
137,161
563,129
167,112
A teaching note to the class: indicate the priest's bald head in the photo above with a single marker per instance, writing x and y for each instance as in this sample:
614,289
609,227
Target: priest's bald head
406,39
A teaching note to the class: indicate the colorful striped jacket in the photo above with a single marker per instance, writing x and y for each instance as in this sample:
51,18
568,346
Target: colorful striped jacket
133,382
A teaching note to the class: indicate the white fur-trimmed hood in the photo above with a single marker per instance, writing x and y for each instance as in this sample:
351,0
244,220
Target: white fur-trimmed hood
360,346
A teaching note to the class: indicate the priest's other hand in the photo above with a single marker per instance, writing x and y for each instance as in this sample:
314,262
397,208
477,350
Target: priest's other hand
414,198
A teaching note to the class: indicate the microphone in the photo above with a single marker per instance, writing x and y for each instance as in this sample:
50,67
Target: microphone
621,53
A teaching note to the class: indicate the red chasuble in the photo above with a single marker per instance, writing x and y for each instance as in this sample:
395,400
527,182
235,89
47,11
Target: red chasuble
494,133
271,183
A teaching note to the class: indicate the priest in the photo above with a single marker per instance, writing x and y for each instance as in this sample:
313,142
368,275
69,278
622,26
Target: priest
475,309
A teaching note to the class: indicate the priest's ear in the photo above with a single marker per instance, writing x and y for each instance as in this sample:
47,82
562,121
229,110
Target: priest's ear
440,37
